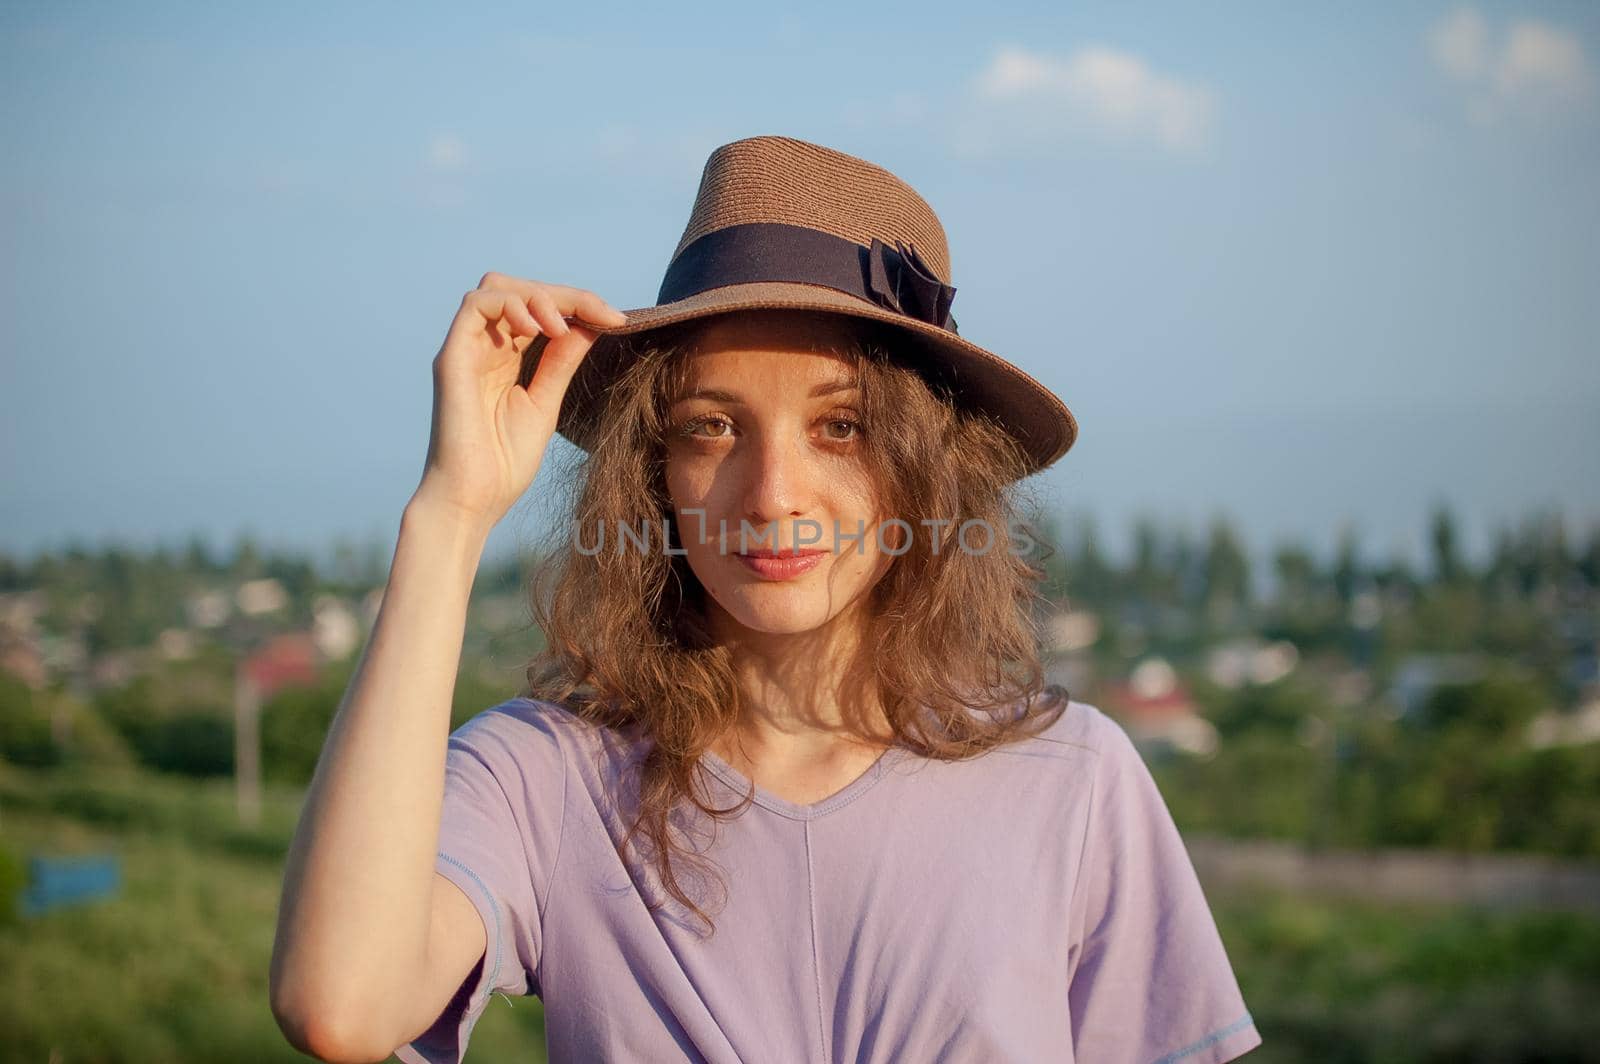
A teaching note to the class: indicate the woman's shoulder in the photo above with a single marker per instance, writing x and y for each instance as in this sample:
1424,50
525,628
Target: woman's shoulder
524,729
1076,746
1080,729
520,717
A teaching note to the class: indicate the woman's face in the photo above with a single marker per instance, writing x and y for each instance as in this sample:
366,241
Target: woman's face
764,457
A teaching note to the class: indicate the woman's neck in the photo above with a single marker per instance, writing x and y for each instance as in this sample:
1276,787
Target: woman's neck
805,694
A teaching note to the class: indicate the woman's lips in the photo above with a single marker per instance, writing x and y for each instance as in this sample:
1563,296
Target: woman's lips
782,566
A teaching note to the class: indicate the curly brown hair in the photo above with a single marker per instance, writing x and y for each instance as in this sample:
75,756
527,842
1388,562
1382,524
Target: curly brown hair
951,652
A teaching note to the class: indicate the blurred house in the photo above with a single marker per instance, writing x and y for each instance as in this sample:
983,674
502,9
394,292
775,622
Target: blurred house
1069,631
1570,727
1250,661
288,660
255,597
21,657
208,609
1156,709
19,610
177,644
335,628
21,653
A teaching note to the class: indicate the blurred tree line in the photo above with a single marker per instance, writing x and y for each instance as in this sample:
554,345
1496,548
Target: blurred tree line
1534,600
1293,761
118,598
1455,773
165,722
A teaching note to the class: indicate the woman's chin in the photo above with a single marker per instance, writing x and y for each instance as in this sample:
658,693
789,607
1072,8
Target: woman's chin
775,611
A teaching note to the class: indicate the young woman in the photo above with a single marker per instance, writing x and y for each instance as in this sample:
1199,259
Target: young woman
786,784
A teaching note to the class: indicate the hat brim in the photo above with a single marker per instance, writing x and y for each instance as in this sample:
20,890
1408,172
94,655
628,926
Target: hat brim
1034,416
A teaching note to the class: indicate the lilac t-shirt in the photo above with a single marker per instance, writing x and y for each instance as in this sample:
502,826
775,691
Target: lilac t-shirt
1035,903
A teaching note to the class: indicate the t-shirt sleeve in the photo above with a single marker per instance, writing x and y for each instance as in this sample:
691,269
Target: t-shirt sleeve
499,839
1151,981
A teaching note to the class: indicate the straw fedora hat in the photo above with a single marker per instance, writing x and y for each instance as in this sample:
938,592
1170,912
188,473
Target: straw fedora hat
784,223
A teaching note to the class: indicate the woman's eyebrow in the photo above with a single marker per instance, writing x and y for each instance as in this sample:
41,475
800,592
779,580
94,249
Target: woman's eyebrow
718,395
843,384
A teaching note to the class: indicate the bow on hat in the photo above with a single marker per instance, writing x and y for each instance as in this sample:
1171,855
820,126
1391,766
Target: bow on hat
899,279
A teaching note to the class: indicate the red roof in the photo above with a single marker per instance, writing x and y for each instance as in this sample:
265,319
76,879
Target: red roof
1173,702
289,660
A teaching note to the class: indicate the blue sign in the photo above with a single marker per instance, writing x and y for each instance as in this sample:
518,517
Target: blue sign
59,881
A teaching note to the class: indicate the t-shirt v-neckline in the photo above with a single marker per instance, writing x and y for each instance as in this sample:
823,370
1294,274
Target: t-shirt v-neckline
795,810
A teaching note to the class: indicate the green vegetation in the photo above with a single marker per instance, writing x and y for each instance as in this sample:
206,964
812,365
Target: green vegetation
1455,774
175,967
1346,982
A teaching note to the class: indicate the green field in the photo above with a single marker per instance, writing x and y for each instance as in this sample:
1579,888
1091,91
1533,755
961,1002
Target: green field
175,968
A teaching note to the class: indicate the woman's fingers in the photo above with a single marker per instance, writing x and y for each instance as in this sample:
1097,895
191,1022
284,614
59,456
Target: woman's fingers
488,441
557,363
547,313
527,309
497,310
592,308
566,300
516,314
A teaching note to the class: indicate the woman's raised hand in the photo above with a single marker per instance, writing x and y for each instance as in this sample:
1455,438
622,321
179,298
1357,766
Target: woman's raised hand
489,435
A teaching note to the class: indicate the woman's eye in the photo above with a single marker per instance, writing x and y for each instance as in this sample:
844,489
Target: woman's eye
693,428
842,428
717,427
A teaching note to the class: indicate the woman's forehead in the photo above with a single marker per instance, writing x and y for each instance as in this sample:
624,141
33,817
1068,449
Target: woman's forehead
775,330
769,350
765,369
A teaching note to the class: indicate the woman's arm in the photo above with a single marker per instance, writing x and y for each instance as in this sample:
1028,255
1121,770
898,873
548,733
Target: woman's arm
371,941
360,898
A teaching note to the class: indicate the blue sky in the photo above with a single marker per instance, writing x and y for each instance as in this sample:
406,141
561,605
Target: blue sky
1301,267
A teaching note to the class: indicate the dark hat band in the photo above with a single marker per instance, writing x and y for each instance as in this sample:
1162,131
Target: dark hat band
894,277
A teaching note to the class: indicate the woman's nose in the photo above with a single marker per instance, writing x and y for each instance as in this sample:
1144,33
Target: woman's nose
779,484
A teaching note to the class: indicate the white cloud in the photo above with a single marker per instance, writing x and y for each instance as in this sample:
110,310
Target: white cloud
1460,43
446,153
1531,66
1542,59
1112,89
